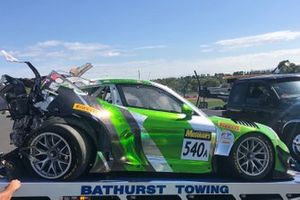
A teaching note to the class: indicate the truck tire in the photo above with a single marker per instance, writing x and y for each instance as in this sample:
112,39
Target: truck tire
252,157
58,152
293,143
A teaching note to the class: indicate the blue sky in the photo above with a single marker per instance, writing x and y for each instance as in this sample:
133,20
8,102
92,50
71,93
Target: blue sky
159,38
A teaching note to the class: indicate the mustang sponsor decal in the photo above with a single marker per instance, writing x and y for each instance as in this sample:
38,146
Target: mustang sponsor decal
228,126
196,145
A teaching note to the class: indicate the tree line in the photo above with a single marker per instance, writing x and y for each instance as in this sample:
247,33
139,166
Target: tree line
188,84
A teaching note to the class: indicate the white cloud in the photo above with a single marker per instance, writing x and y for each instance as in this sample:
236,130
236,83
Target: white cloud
58,53
259,39
151,47
48,43
254,40
55,49
174,68
78,46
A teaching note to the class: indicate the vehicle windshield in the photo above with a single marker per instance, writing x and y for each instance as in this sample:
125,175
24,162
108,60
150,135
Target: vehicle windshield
289,89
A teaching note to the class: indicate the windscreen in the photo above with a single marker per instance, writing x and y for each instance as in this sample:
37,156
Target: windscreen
289,89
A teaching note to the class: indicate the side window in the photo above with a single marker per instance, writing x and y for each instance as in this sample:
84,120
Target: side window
257,93
237,95
150,97
102,92
90,90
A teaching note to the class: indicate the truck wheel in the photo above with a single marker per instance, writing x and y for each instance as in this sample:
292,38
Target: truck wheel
58,152
293,144
252,157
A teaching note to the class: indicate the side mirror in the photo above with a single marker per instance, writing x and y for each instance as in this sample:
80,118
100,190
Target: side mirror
188,111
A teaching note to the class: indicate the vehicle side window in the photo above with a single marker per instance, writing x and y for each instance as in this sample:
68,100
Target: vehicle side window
102,92
150,97
237,95
90,90
257,93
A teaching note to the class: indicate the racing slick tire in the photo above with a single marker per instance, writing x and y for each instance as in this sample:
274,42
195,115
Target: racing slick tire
58,152
252,157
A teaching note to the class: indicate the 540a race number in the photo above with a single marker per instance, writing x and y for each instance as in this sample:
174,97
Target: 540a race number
196,145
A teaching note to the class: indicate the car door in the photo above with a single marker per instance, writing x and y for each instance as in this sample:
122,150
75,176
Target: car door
165,131
258,103
236,101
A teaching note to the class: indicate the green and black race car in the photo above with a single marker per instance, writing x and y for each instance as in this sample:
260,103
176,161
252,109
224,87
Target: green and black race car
155,129
67,126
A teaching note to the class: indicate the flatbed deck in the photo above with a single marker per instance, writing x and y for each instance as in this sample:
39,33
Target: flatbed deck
139,186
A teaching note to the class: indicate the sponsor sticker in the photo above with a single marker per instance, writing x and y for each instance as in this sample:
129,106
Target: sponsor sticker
228,126
91,110
224,143
54,76
196,145
197,135
85,108
227,137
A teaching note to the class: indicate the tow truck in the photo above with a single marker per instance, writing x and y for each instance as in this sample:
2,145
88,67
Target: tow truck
146,186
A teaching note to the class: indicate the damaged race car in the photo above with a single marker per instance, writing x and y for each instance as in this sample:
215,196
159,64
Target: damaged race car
65,126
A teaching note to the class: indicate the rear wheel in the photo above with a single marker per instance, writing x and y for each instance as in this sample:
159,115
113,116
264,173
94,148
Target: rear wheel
252,157
58,152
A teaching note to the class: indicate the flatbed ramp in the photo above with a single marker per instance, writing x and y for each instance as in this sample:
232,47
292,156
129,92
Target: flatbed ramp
174,188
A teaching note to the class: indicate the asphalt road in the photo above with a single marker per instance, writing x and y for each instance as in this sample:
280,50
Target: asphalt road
5,127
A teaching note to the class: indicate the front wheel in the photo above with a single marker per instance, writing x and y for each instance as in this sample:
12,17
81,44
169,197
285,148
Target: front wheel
252,157
294,145
58,152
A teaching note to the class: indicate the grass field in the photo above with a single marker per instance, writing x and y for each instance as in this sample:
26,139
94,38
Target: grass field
211,102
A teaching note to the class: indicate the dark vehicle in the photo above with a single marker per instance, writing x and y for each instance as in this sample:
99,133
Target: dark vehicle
273,100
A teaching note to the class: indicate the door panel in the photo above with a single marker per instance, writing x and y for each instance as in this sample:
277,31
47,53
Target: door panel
164,142
164,129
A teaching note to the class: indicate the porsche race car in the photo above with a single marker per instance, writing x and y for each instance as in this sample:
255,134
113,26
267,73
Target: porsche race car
67,126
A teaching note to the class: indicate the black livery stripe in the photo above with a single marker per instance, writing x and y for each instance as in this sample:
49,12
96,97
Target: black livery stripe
117,149
135,129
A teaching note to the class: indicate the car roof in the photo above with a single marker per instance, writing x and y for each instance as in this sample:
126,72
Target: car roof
271,77
121,81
